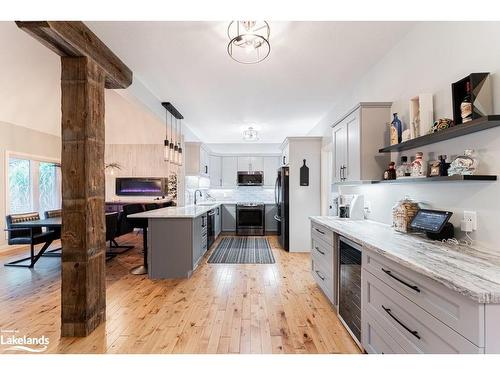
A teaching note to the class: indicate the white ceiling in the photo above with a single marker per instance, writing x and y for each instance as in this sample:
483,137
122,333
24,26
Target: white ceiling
310,66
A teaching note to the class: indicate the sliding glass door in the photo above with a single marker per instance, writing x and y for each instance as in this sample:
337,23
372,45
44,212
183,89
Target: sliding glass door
33,185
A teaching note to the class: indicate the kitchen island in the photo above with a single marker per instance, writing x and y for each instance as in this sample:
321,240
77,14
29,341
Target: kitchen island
177,238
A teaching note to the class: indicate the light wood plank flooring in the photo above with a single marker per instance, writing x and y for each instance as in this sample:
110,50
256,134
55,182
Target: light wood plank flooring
270,308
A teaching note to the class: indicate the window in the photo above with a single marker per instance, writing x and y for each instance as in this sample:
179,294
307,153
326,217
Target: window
33,185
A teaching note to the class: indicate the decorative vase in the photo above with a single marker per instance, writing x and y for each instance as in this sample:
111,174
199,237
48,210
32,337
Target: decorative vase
396,130
419,166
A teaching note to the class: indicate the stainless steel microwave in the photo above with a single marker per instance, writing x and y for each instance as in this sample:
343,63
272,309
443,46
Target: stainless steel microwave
250,178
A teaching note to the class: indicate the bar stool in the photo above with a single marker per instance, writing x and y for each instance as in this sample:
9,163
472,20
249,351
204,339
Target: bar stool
130,209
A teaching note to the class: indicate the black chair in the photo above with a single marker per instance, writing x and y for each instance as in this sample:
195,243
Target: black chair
27,236
119,227
151,206
130,209
57,231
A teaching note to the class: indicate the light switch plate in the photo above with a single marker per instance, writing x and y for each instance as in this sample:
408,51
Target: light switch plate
472,217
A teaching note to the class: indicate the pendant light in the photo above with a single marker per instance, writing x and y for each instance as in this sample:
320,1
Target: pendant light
166,143
180,159
171,145
176,146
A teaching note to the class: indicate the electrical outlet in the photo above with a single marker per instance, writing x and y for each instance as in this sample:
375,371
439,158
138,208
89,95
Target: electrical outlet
368,207
472,217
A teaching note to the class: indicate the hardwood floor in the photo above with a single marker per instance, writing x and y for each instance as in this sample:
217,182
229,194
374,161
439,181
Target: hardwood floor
264,308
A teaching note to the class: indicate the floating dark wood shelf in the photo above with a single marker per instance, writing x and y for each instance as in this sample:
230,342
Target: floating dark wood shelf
407,180
473,126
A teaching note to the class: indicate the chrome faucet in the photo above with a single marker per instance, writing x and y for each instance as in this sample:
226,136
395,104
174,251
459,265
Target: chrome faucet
197,191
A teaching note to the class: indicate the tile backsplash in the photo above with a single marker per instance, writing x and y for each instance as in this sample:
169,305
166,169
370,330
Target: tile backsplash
237,194
243,194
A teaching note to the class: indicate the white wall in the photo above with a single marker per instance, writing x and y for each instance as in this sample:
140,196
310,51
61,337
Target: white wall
427,60
304,200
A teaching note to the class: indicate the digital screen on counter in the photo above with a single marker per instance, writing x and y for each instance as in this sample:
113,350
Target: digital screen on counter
430,220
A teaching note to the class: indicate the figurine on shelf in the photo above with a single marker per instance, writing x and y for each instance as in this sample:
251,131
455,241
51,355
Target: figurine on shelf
396,130
404,169
419,166
443,165
465,164
434,168
390,173
441,124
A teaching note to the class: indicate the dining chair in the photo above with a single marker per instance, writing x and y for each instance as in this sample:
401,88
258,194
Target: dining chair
27,236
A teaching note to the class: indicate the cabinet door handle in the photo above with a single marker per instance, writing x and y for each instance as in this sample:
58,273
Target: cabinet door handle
414,287
318,250
388,311
284,159
319,231
319,275
206,169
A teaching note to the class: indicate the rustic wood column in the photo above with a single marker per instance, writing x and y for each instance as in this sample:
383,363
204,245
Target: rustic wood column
83,297
88,67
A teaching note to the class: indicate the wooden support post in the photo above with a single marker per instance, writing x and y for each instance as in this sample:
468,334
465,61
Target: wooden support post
88,66
83,294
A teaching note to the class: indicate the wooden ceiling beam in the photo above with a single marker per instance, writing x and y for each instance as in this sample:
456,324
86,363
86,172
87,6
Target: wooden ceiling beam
75,39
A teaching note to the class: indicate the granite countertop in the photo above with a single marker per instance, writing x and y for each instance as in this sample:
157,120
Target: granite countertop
474,273
189,212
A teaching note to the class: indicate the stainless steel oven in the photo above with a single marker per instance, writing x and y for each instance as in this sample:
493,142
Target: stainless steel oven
250,219
349,285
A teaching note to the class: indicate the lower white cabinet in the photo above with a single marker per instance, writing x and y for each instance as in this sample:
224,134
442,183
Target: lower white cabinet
228,217
405,324
324,261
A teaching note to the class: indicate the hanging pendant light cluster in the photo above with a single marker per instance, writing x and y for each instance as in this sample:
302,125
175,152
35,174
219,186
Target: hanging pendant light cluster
173,146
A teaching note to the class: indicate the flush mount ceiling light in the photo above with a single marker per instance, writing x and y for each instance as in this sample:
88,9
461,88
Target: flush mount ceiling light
250,135
248,41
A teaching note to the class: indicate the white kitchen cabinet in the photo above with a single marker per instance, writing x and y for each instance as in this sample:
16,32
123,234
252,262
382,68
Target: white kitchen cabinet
250,163
228,217
229,171
357,137
285,154
215,169
271,165
196,159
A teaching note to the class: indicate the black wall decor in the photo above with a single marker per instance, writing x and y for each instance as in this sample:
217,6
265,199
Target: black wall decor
481,96
304,175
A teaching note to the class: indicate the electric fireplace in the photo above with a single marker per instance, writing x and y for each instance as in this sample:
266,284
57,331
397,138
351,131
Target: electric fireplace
142,186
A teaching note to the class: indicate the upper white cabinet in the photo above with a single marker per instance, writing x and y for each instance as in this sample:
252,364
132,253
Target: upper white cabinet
229,171
271,165
215,169
357,137
196,159
250,163
285,154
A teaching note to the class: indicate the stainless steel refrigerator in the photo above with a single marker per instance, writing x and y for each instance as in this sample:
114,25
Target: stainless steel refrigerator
281,198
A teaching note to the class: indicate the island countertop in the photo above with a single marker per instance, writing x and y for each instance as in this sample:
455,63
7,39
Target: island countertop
188,212
474,273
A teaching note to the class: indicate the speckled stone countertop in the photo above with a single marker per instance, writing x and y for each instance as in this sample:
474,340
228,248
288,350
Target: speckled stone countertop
471,272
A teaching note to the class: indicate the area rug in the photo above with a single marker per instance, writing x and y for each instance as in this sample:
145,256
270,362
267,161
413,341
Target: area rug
243,250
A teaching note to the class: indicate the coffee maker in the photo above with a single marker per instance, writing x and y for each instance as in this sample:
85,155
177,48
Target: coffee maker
351,206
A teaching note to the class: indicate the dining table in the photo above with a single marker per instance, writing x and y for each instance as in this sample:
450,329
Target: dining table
49,223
